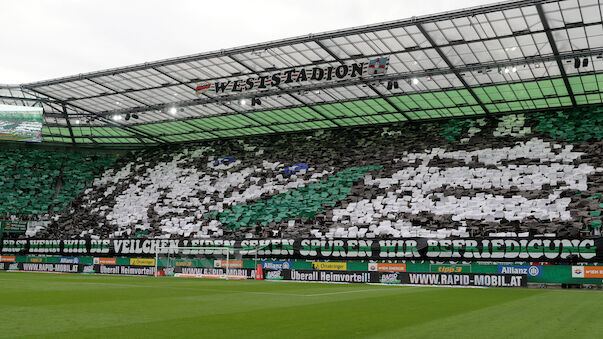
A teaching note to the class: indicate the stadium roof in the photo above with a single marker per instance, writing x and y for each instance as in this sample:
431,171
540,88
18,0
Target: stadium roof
495,59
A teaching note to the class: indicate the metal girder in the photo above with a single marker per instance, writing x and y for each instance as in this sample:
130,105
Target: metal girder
181,83
289,94
450,44
388,101
68,123
528,111
553,45
96,115
304,105
334,56
452,68
365,115
302,39
359,81
205,95
5,97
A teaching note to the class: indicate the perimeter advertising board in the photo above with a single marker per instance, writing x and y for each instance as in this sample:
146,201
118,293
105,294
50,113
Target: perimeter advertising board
587,271
408,278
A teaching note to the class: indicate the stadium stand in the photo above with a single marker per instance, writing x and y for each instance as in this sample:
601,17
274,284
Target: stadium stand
513,175
36,181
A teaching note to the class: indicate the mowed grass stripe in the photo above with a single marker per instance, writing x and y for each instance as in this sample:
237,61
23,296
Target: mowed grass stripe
55,308
548,314
47,305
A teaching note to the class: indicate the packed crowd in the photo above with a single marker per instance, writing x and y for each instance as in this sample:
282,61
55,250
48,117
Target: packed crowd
514,175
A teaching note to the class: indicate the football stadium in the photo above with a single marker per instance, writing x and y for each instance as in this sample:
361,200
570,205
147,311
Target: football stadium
436,176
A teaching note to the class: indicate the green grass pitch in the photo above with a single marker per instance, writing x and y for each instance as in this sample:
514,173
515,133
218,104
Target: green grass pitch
78,306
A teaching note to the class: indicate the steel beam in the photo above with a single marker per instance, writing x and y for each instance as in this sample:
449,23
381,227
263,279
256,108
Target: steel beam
65,115
452,68
355,81
553,44
96,115
302,39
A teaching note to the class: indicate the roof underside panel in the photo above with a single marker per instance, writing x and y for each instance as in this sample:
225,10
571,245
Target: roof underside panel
507,57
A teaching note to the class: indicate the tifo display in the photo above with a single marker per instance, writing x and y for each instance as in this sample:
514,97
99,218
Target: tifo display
517,176
497,190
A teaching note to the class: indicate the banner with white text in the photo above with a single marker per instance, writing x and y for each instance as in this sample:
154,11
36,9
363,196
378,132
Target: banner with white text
554,250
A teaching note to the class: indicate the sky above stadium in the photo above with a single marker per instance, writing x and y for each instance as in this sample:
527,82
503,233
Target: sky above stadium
49,39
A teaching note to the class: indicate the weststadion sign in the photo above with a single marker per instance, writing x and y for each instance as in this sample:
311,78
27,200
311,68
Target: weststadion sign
372,67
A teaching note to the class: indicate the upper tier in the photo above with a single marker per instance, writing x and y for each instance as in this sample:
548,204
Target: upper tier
516,174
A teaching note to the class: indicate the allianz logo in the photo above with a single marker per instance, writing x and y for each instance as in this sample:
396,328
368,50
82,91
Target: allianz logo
277,265
531,271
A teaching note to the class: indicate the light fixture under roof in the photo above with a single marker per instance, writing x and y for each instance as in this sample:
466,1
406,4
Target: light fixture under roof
243,102
117,117
415,81
77,122
172,110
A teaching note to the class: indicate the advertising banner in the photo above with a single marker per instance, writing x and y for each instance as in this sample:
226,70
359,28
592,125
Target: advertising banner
105,261
276,265
409,278
142,262
385,267
587,271
330,266
124,270
450,268
275,275
11,266
530,270
455,279
465,249
7,258
333,276
229,263
89,269
63,268
219,271
69,260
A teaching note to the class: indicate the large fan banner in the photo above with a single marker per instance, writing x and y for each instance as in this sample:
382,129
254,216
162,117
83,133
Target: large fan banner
465,249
